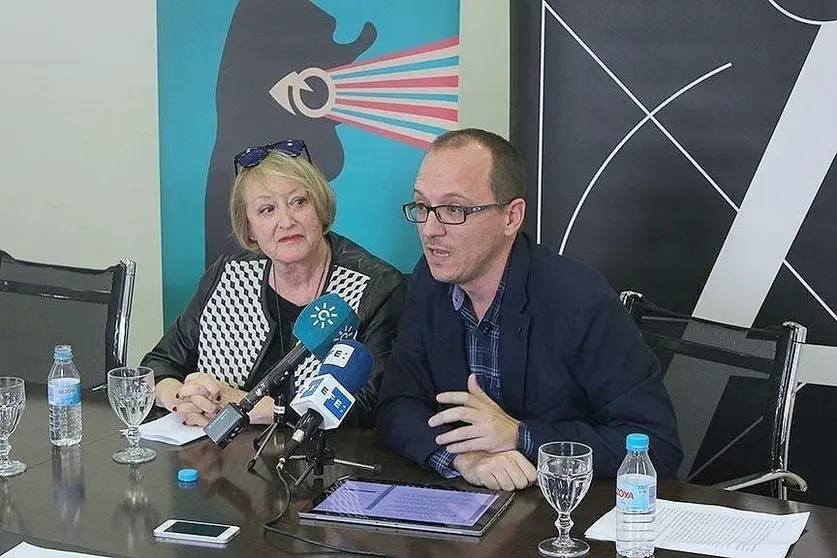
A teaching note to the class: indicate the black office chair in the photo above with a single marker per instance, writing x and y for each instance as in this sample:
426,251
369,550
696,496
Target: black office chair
43,305
733,393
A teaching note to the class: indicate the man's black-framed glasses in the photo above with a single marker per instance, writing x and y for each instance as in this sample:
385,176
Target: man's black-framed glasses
252,156
448,214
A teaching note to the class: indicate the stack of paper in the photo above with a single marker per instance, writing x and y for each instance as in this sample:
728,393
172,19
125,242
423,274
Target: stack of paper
715,530
170,430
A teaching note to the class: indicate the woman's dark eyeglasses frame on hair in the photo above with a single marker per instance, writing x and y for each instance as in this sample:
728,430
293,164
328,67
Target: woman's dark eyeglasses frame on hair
252,156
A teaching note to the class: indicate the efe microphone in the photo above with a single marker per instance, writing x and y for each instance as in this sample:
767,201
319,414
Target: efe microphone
321,324
326,399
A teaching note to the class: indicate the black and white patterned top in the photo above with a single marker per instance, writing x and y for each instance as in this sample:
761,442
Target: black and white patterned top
226,329
234,327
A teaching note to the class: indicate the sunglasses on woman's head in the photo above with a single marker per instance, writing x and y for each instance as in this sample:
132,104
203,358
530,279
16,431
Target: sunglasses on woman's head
252,156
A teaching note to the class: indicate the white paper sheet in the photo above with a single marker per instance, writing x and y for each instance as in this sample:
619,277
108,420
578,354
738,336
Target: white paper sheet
715,530
26,550
170,430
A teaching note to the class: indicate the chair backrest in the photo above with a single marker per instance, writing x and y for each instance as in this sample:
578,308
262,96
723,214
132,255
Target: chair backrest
43,305
732,389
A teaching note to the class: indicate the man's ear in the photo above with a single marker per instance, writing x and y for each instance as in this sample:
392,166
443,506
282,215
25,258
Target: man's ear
515,213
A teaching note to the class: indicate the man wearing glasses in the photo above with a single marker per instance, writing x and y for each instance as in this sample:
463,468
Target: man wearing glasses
505,346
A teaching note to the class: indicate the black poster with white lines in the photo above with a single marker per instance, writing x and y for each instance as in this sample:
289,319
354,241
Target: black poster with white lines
686,150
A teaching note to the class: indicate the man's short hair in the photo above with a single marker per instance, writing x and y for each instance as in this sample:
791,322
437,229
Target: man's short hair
508,174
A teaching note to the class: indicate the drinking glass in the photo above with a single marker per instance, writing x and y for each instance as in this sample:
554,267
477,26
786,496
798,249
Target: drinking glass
565,470
12,403
131,396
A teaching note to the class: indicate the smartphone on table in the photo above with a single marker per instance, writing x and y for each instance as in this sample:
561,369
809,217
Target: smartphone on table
196,531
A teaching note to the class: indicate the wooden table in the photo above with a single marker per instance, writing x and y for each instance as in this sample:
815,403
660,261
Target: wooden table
83,499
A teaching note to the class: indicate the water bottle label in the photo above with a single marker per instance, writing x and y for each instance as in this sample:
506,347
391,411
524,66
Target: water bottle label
64,391
636,496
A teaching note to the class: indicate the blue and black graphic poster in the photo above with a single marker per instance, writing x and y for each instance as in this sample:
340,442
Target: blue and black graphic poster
367,85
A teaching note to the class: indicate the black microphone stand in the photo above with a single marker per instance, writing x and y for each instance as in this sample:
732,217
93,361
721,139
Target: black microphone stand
282,395
319,455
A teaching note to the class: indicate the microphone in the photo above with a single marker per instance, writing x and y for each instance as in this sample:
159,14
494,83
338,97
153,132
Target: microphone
321,324
326,399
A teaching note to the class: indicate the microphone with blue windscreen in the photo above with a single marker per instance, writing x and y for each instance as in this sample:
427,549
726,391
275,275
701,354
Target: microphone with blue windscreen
327,398
350,363
321,324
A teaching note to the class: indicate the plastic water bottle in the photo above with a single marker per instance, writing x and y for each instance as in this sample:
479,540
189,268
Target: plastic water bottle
636,500
64,390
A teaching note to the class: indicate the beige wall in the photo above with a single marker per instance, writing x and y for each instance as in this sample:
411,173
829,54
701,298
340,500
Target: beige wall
79,142
484,65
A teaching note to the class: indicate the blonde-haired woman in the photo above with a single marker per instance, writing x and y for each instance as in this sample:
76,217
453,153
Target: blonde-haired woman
239,322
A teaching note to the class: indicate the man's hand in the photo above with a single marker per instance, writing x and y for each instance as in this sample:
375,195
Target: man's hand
508,470
489,428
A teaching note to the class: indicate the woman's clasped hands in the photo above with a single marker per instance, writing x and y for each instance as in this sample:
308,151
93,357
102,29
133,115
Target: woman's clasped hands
200,398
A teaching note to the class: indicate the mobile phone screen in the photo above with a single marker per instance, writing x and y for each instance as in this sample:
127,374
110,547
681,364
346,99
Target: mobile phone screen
200,529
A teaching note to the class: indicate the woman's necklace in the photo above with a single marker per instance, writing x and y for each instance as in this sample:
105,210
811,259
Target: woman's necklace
318,290
320,283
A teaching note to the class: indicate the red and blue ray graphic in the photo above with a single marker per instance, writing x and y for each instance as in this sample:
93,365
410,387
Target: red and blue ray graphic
410,96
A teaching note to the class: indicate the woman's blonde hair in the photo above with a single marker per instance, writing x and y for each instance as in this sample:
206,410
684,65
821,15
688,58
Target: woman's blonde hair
280,165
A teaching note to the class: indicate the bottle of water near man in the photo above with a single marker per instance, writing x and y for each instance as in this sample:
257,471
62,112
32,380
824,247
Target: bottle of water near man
636,500
64,391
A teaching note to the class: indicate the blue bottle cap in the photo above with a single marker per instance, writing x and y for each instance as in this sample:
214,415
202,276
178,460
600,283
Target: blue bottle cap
188,475
636,442
62,352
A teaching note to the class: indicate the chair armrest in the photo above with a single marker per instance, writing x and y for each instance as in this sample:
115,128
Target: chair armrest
789,478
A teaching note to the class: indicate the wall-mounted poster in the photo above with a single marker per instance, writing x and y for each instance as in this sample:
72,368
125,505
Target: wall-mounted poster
687,150
367,85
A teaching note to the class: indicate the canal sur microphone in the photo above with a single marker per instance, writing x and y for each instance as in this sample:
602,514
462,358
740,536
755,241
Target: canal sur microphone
320,325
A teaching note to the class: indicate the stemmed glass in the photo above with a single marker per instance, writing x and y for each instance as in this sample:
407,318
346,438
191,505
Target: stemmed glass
12,403
565,470
131,396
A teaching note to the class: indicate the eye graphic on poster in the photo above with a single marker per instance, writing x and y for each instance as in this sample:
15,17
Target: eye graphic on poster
310,85
367,86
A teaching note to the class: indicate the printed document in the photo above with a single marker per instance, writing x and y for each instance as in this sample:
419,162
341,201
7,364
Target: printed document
715,530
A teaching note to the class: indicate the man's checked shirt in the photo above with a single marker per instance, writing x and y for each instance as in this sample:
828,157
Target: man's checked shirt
482,347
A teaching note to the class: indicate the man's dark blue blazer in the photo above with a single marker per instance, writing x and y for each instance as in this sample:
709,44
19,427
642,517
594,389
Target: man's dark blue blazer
573,364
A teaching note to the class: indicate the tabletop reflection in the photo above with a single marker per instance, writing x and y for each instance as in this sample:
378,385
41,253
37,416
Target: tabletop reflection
135,515
68,485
